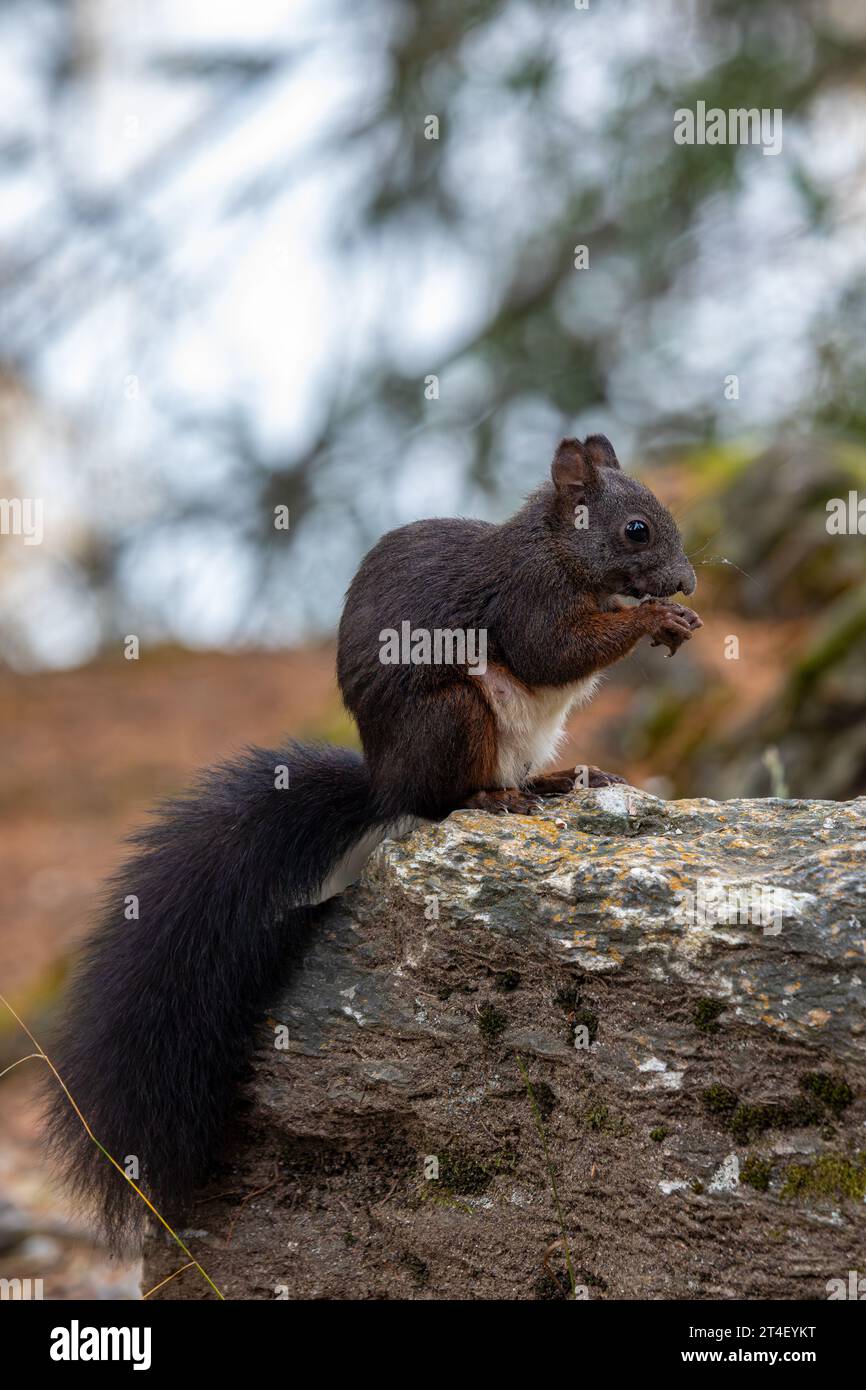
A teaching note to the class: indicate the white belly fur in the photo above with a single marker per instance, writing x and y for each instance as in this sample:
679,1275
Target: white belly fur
349,869
530,728
530,724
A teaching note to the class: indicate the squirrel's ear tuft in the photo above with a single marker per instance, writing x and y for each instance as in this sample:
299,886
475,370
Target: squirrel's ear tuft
599,451
571,468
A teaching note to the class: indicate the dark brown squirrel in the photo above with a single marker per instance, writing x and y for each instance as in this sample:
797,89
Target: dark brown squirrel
545,592
229,879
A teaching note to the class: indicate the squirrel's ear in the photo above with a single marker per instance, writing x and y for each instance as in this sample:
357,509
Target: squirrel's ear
599,451
571,468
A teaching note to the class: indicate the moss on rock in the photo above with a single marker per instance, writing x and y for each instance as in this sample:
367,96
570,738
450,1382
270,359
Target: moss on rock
830,1175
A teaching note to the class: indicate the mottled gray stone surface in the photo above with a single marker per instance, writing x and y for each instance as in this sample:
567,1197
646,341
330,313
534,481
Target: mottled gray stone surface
682,985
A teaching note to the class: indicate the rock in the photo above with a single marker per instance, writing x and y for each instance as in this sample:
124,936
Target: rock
655,1006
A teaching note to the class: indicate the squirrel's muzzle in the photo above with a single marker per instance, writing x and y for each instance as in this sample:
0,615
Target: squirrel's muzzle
687,583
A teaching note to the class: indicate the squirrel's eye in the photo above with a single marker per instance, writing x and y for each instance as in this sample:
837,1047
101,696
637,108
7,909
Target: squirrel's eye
637,531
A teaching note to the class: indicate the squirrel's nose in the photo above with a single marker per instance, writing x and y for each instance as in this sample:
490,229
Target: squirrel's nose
687,583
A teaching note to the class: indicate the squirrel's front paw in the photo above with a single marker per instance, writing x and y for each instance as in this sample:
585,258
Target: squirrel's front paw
669,624
688,614
597,778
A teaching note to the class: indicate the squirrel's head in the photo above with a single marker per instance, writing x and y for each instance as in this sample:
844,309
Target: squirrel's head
619,534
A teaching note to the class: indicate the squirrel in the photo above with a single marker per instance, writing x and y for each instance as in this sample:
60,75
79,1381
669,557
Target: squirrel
229,878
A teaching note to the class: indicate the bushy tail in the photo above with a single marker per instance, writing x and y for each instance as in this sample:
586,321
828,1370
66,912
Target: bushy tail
198,933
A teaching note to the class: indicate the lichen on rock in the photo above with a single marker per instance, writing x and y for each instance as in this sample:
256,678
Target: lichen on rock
704,1133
